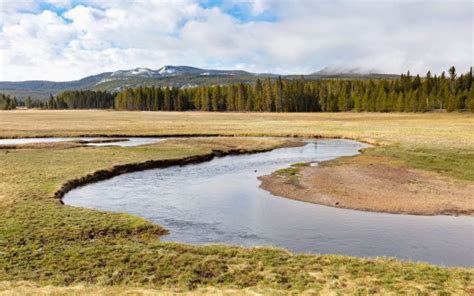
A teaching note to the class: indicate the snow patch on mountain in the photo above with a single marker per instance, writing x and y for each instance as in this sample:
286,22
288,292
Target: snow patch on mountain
143,71
167,70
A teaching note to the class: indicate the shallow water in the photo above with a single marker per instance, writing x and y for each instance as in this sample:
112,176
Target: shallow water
220,202
129,143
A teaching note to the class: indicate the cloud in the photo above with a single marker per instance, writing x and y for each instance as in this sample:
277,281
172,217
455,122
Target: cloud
64,40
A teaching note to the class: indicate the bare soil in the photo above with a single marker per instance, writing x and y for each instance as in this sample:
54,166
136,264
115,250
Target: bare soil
371,183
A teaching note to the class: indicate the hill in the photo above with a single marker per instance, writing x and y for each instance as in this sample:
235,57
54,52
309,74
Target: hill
180,76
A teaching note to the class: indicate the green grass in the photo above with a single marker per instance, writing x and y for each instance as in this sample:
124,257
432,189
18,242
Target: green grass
457,163
46,243
300,164
292,173
287,171
52,244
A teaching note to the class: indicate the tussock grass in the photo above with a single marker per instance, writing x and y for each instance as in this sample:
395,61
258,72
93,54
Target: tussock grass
76,250
293,170
287,171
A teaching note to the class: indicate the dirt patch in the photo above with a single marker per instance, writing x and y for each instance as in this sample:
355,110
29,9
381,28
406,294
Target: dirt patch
377,184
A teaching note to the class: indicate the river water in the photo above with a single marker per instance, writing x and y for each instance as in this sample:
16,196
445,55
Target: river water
129,142
220,202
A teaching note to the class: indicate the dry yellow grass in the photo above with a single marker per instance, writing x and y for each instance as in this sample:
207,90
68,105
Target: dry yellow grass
28,288
440,142
449,130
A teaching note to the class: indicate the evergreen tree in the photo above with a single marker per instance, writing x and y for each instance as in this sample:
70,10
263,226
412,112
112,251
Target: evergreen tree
258,94
268,96
279,94
407,94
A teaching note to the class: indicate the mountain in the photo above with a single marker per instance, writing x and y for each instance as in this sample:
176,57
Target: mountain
170,71
179,76
43,88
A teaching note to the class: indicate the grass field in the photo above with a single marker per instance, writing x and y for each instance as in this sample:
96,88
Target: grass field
45,243
443,142
448,130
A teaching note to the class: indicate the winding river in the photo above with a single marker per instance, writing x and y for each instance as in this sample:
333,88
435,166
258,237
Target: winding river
220,202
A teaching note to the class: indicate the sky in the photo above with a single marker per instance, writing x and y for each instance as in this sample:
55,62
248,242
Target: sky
69,39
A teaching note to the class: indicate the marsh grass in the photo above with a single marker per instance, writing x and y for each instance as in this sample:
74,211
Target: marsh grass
45,243
292,173
442,142
289,172
58,245
300,164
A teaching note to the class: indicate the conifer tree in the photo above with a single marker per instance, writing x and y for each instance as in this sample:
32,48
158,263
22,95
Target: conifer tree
268,96
258,93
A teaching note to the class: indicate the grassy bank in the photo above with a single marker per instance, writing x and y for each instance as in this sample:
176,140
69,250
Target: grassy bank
46,243
442,142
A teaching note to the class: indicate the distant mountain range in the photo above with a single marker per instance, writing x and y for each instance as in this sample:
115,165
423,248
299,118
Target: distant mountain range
179,76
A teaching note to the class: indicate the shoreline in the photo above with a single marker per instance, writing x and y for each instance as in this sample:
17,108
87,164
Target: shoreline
185,136
278,185
274,183
117,170
360,183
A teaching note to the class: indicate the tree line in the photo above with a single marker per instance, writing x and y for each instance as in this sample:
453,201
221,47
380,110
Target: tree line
407,94
7,102
82,99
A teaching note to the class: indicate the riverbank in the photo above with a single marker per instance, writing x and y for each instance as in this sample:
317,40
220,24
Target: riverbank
48,244
370,182
440,142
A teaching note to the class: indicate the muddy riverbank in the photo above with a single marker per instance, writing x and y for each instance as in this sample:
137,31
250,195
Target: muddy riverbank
371,183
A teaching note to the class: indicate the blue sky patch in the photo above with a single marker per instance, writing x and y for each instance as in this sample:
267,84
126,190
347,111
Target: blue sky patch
240,10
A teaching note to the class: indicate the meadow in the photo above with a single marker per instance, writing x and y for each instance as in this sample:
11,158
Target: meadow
47,245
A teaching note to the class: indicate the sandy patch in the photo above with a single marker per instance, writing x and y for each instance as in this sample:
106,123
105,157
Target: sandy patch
374,184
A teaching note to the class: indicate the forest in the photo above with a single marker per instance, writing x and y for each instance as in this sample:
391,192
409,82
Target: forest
7,102
407,94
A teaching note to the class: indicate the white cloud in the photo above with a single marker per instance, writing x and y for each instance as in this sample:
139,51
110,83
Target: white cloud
95,36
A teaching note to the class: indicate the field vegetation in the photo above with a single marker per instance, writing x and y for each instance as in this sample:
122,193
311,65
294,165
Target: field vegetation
439,142
43,242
